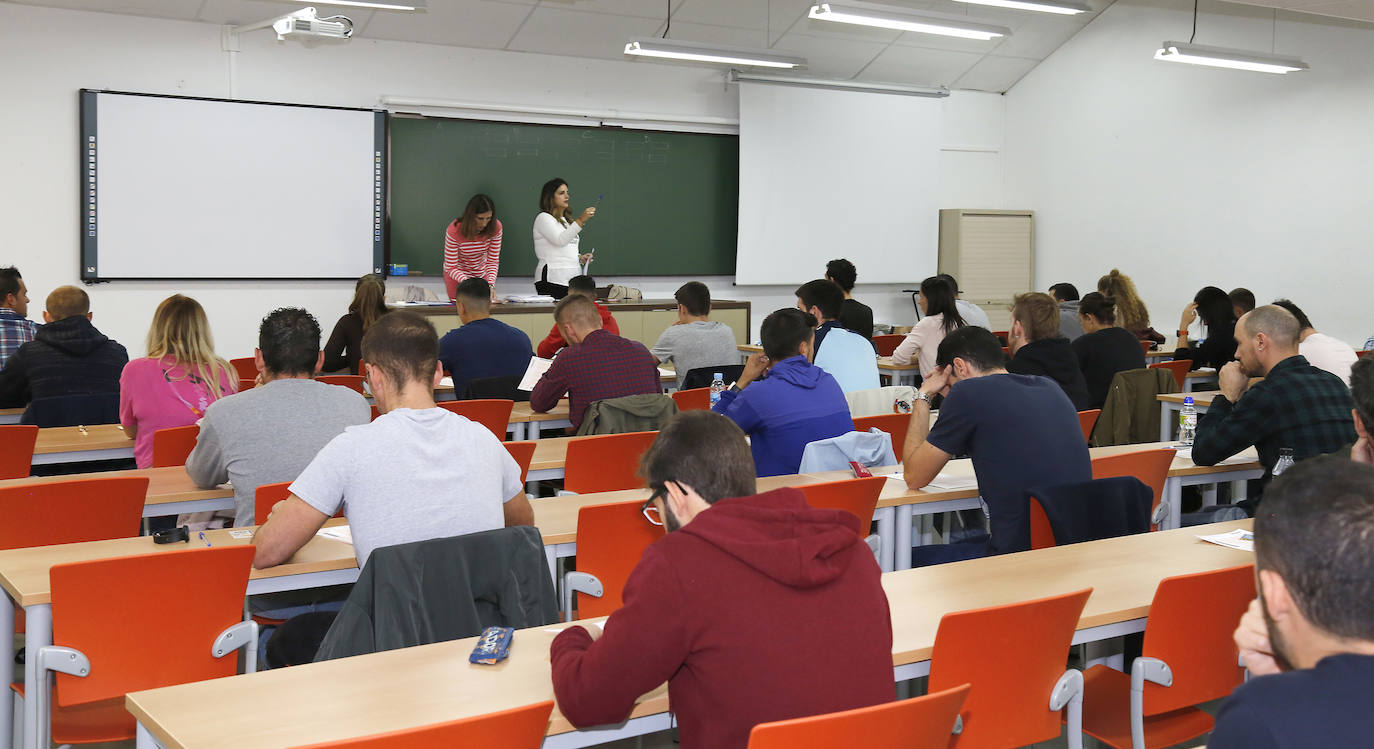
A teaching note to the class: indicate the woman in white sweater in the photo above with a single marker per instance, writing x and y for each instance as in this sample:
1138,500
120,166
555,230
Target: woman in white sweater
941,317
555,240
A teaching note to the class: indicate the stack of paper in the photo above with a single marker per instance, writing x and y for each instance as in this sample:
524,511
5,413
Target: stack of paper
528,299
1237,539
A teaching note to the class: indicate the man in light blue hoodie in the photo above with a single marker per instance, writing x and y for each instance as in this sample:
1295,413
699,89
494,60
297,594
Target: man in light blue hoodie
782,400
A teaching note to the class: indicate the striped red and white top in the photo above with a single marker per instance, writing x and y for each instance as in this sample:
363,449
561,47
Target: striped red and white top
465,258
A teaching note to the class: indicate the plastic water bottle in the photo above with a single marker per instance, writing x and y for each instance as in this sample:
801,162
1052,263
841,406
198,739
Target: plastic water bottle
1285,461
717,387
1187,422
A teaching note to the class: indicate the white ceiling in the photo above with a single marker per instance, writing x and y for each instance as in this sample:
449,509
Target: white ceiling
599,28
1358,10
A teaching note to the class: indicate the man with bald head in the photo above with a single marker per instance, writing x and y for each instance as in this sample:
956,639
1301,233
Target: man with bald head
1296,405
67,357
597,365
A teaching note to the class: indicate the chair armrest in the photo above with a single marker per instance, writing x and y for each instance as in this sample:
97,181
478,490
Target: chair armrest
580,582
241,635
1068,692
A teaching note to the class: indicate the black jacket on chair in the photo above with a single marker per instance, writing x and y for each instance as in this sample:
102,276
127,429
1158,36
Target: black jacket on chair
67,357
1092,510
444,589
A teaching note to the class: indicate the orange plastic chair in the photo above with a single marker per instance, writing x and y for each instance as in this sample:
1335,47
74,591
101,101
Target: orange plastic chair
102,614
517,728
1187,659
354,382
1014,656
16,450
1150,466
1178,368
68,512
172,446
886,344
605,462
894,424
1087,420
918,722
247,368
245,385
1363,353
268,495
858,497
523,452
376,412
492,413
610,540
696,399
1147,345
1002,335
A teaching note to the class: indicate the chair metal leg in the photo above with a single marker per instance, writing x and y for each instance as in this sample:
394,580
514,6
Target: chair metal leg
1068,692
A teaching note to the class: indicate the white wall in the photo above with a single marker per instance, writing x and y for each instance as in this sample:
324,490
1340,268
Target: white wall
1185,176
50,54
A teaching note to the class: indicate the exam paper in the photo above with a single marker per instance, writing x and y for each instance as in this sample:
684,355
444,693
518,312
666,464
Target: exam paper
534,372
338,533
1237,539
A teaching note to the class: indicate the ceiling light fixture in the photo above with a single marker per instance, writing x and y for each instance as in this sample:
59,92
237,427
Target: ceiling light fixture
1222,57
933,92
1042,6
901,19
678,50
380,4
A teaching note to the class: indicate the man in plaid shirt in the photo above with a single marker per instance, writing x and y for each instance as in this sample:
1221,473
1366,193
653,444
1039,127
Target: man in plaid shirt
598,365
15,328
1296,405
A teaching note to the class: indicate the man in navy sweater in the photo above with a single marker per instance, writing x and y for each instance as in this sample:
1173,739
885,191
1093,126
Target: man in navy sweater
1309,639
484,346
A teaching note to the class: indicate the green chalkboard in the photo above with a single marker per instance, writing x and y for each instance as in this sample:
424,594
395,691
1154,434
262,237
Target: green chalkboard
671,204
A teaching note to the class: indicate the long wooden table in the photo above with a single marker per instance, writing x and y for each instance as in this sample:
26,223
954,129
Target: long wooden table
415,686
78,444
11,415
1171,404
170,490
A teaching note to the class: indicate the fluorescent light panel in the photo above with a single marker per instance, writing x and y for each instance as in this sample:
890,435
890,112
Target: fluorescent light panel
1223,57
934,92
1042,6
377,4
678,50
887,17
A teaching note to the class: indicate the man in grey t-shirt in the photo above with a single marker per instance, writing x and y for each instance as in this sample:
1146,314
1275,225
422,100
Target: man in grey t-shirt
271,433
695,340
415,473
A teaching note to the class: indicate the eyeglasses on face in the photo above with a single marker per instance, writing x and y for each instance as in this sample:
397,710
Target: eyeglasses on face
651,512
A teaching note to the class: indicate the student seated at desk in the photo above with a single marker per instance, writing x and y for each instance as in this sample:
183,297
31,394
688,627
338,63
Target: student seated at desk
854,314
67,356
1020,430
846,355
753,608
16,329
1038,349
1309,638
1105,348
695,340
1214,307
483,346
1319,349
369,304
584,286
782,400
416,472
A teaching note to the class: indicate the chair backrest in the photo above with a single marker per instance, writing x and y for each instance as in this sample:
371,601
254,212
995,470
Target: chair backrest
1146,344
1363,353
1087,420
172,446
605,462
375,412
68,512
1087,510
1012,655
505,387
492,413
869,449
266,496
696,399
107,608
1178,368
352,382
516,728
1150,466
894,424
700,377
16,450
918,722
1191,621
610,540
886,344
1004,336
523,453
859,497
246,367
247,385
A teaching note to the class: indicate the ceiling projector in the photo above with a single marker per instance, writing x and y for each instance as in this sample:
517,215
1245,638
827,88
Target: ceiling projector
306,25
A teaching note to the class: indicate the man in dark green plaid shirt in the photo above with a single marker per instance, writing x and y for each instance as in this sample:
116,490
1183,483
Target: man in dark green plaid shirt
1296,405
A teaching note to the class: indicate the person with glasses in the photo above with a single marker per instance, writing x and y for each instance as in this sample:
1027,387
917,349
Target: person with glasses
753,607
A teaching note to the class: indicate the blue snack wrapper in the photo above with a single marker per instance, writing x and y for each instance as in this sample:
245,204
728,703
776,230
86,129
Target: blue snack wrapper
493,645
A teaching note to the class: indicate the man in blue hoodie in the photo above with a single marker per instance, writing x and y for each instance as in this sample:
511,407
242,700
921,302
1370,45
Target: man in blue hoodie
782,400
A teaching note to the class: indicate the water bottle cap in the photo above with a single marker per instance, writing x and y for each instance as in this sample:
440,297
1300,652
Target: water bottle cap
718,375
1187,400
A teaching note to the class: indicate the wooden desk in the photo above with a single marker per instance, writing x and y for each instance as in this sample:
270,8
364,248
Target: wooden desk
1200,377
170,490
24,577
1170,404
71,445
526,424
415,686
11,415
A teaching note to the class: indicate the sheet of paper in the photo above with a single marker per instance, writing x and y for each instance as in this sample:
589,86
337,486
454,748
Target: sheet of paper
666,372
446,382
528,299
601,625
538,366
338,533
241,533
1187,452
950,482
1236,539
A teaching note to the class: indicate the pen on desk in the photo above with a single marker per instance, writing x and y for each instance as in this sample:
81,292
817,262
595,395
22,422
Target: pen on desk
203,539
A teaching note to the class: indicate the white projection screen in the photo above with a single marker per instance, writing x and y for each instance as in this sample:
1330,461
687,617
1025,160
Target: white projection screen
826,174
181,188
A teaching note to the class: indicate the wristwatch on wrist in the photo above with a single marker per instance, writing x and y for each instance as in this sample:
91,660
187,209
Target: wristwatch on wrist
922,395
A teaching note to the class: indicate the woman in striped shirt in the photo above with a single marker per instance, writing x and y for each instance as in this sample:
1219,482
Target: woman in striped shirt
472,245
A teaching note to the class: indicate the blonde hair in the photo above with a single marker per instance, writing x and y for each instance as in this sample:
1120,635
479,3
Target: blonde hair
369,300
1131,312
180,330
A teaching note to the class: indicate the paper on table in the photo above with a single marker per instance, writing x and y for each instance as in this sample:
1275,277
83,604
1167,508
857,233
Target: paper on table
601,625
446,382
538,366
1237,539
1187,452
949,482
666,372
338,533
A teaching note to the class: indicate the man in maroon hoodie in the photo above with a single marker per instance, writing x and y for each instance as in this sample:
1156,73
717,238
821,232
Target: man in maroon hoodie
757,608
